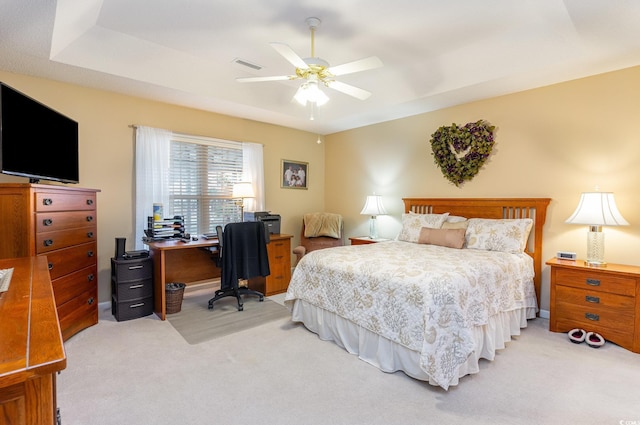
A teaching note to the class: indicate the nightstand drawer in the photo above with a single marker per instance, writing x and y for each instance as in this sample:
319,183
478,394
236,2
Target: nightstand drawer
605,317
131,290
127,270
595,300
596,281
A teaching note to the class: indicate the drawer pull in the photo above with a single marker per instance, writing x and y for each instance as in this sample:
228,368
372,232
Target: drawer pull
47,222
136,286
48,242
47,201
136,305
89,234
89,201
90,301
89,218
591,299
279,256
135,267
592,316
593,282
89,253
91,277
50,265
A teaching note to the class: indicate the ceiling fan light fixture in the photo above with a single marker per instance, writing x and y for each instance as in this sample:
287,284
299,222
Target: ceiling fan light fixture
310,92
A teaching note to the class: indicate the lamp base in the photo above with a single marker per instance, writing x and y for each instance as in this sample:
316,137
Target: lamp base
373,229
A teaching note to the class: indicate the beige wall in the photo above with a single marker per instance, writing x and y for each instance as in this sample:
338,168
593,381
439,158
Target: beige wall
107,155
555,142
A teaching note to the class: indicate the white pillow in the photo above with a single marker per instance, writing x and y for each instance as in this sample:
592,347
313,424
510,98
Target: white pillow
506,235
412,223
455,219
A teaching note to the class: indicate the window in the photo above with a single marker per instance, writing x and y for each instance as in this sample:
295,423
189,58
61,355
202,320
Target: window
202,172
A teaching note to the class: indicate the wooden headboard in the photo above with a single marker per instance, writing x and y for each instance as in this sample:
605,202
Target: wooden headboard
534,208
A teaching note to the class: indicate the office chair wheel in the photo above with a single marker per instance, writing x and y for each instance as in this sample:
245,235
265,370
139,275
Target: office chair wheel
210,305
240,308
261,299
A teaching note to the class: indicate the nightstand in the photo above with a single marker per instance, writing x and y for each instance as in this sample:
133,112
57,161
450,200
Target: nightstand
363,240
605,300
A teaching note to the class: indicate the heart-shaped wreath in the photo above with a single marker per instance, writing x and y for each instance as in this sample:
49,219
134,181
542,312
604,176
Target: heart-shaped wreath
460,152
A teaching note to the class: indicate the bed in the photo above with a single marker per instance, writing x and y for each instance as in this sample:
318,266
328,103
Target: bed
428,303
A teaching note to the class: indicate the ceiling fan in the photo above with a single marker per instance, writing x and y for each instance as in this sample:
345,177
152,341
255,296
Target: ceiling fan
316,71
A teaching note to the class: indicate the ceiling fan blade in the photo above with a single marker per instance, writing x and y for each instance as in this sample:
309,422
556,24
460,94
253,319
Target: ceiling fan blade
349,89
257,79
288,53
356,66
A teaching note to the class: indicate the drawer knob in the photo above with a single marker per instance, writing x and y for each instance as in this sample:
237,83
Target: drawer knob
91,277
591,299
593,282
89,201
89,235
90,300
592,316
89,218
89,253
50,265
48,242
47,201
47,222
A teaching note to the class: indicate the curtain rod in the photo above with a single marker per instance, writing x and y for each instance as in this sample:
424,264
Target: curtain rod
135,126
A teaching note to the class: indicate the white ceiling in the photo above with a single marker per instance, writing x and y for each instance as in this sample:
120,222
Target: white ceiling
436,53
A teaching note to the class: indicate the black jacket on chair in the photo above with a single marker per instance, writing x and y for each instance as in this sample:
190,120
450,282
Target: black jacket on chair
244,252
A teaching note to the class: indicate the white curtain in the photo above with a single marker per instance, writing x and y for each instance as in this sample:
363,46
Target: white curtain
253,171
152,176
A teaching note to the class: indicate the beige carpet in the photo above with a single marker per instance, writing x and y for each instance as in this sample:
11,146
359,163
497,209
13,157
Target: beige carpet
196,323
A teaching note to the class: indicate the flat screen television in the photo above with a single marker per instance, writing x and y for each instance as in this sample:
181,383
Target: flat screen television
36,141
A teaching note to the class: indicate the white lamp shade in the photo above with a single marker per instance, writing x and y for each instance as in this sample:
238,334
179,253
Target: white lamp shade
243,190
373,206
598,209
310,92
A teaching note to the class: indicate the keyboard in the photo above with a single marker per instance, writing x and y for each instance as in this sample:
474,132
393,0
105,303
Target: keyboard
5,279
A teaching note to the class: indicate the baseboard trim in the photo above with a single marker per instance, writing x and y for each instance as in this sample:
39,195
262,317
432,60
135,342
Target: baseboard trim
544,314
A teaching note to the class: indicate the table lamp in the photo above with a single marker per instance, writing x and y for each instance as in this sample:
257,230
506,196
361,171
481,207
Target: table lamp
373,207
241,191
596,209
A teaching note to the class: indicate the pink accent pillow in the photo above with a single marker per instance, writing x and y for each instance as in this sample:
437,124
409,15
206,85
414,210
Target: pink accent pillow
451,238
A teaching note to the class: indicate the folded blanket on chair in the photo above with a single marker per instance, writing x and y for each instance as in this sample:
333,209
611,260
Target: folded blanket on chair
322,224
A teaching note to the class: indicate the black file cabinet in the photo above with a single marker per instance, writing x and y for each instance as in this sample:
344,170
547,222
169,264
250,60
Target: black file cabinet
131,288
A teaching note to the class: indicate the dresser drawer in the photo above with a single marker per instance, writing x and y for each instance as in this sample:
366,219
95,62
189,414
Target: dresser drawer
58,201
50,241
596,281
71,285
79,313
131,309
127,270
595,300
68,260
53,221
131,290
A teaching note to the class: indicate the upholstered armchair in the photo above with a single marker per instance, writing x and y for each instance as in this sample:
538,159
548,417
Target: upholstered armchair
319,231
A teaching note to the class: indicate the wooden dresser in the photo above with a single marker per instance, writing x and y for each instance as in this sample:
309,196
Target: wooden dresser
605,300
31,350
58,222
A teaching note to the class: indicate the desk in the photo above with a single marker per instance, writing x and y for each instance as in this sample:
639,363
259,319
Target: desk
31,350
175,261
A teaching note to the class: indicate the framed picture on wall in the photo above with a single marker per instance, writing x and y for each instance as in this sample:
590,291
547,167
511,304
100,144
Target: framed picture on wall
294,174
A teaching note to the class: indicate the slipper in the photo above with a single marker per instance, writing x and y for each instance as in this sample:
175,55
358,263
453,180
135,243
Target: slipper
577,335
594,340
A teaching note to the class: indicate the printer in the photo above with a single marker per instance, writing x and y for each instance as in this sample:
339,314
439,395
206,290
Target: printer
271,221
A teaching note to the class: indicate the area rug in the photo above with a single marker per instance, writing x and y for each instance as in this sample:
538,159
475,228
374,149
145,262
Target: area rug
196,323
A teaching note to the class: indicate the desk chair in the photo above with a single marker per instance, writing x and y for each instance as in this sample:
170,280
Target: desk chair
242,255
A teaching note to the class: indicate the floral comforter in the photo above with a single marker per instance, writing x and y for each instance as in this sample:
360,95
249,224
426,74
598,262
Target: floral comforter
425,297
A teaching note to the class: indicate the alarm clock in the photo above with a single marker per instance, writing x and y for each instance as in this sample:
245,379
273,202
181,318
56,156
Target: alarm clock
566,255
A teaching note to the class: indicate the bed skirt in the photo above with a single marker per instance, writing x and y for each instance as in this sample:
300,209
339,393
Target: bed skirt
390,357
